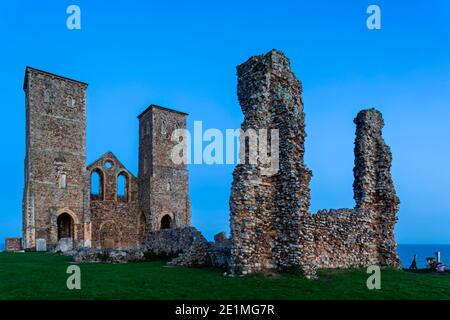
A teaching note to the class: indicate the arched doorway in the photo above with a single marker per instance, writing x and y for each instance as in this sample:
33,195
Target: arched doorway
97,184
166,222
65,226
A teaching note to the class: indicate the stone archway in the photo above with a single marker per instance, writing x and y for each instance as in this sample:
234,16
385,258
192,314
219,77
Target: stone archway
65,226
66,234
166,222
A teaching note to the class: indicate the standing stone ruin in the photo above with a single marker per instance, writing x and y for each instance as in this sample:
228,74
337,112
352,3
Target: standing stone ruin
271,226
62,209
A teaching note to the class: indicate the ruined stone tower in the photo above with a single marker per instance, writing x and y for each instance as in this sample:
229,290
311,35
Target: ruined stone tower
67,204
267,210
54,200
163,185
271,225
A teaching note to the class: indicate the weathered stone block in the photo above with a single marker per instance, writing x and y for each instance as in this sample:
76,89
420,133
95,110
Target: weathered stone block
13,244
41,244
64,244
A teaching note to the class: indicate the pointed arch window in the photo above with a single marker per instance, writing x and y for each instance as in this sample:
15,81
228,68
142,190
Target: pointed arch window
123,186
97,185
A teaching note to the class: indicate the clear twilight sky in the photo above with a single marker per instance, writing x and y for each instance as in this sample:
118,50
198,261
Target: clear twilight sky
183,55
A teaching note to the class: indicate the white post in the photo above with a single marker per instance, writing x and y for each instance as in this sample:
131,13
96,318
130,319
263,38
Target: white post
438,256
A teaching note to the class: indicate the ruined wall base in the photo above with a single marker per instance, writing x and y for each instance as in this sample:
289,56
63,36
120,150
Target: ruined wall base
344,238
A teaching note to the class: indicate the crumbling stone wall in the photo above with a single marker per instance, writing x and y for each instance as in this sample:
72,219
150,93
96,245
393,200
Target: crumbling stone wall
266,211
271,225
13,244
115,219
374,190
188,246
219,251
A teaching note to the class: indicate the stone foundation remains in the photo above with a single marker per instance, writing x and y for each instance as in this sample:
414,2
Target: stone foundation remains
271,225
189,247
13,244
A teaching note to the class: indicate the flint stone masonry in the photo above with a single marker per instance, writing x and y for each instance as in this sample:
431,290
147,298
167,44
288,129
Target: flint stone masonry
187,244
55,148
13,244
220,237
271,225
163,185
189,247
116,221
219,251
60,209
90,255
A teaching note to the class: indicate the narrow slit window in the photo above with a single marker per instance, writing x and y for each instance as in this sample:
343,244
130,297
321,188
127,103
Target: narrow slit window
62,181
46,96
70,102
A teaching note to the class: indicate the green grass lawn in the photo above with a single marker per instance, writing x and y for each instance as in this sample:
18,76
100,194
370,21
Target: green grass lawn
43,276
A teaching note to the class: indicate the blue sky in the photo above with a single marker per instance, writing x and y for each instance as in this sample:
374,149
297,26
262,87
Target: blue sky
183,55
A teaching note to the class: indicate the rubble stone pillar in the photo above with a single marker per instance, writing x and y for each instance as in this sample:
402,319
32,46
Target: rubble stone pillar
267,210
374,190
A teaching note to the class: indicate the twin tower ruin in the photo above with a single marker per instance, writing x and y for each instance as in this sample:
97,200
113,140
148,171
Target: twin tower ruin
62,209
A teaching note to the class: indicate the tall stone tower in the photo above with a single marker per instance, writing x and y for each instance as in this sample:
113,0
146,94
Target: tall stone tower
55,203
267,211
163,185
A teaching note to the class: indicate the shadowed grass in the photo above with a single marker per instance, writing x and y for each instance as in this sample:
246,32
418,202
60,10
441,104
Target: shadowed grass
43,276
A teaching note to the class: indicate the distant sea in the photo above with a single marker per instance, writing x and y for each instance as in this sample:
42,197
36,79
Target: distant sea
406,252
